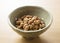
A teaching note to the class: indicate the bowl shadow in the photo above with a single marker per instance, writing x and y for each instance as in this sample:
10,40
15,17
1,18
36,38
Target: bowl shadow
35,40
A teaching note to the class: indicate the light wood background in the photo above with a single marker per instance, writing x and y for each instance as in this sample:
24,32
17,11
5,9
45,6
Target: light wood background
7,35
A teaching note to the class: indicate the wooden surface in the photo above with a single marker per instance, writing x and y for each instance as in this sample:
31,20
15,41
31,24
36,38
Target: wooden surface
7,35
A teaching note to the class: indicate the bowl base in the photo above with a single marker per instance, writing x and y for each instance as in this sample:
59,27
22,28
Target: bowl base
30,38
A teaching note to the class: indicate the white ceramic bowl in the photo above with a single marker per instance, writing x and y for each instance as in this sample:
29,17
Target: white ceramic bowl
31,10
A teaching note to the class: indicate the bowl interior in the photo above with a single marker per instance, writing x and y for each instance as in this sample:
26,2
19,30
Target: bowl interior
30,10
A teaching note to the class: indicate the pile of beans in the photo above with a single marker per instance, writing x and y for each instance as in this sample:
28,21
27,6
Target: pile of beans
29,22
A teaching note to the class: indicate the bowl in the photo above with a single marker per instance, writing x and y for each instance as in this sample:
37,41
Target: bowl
30,10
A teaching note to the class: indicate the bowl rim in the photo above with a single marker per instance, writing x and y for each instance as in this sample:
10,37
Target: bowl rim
13,27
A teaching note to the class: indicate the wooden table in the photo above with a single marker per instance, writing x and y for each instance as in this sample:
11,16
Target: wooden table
7,35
